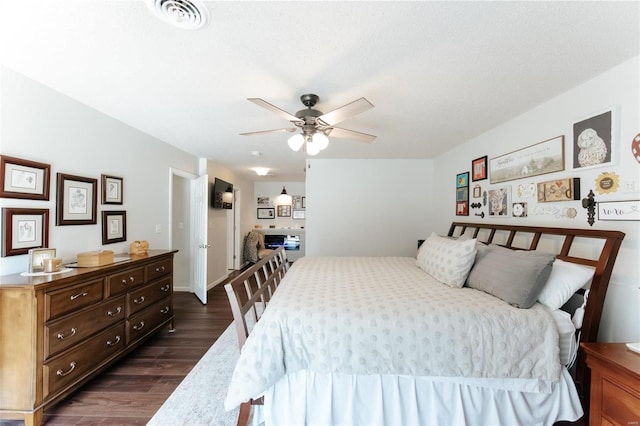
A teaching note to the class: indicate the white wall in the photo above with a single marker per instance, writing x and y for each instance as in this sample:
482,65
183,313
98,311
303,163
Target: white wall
218,233
42,125
273,191
368,207
618,87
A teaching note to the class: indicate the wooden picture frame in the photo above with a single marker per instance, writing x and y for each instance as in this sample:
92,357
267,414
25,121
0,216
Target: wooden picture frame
114,226
111,189
24,229
619,210
479,168
76,200
537,159
25,179
266,213
284,210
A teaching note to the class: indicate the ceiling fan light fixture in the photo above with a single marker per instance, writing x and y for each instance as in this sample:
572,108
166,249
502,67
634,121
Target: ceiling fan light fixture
296,141
312,147
320,140
261,171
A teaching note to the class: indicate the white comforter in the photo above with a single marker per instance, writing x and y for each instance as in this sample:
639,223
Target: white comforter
383,315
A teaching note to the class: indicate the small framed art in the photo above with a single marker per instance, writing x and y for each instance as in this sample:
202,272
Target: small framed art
594,140
479,169
266,213
298,214
111,189
619,210
77,202
24,179
24,229
114,226
284,211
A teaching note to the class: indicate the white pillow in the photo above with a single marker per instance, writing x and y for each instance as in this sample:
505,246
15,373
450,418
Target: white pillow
566,278
447,260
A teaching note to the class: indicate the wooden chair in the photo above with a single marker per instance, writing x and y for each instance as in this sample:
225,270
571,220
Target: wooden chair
249,293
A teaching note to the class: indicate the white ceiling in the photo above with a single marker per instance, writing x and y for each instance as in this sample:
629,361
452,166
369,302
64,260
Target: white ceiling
438,73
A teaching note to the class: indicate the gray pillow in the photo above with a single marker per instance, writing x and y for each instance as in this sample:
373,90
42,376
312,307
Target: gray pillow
515,276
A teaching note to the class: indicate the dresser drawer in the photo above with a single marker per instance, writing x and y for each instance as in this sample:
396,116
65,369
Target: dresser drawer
59,302
74,364
148,295
620,404
158,269
71,329
124,281
149,319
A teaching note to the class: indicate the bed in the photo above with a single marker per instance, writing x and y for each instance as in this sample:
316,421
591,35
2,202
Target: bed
457,335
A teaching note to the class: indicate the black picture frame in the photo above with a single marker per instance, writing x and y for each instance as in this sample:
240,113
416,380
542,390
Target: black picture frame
24,229
266,213
114,226
76,200
112,187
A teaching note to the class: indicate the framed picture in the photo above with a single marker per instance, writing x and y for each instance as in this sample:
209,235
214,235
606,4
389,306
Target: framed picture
296,202
619,210
559,190
298,214
264,202
539,159
500,202
37,256
24,179
114,226
266,213
462,180
24,229
462,208
111,189
284,211
479,168
593,140
304,202
76,200
477,191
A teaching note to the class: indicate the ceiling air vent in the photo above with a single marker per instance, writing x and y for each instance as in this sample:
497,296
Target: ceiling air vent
185,14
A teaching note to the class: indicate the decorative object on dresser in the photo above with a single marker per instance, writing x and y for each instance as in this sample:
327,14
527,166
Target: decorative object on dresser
76,199
139,247
60,331
24,229
24,178
615,383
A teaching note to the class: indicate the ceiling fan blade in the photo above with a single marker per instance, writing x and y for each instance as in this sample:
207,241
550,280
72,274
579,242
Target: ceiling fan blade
338,132
287,130
273,108
345,111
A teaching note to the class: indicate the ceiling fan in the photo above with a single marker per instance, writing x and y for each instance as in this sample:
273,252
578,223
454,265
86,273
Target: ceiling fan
315,125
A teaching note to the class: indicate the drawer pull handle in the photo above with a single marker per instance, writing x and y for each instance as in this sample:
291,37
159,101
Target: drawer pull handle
75,296
165,310
139,301
160,269
113,343
139,326
62,373
61,336
113,314
165,287
131,279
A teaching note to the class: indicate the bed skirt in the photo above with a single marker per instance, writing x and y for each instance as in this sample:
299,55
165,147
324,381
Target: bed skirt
405,400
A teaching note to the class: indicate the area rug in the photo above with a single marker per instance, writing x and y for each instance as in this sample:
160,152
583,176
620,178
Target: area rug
199,399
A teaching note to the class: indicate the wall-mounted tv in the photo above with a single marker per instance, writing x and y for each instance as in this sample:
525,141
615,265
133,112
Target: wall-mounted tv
222,194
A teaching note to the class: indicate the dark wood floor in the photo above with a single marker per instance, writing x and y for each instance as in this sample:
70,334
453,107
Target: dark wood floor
132,390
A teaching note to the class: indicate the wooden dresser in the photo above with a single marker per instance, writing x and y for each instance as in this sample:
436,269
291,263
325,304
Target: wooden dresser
615,384
57,331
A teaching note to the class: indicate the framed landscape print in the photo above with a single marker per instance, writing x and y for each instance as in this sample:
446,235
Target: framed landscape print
77,202
24,179
24,229
538,159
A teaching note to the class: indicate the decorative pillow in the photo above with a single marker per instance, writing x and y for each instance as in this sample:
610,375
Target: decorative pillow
566,278
515,276
447,260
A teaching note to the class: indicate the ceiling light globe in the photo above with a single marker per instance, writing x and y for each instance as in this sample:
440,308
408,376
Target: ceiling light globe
261,171
296,141
321,140
312,148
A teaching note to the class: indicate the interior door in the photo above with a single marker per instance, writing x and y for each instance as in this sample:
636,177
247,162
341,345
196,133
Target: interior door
200,209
